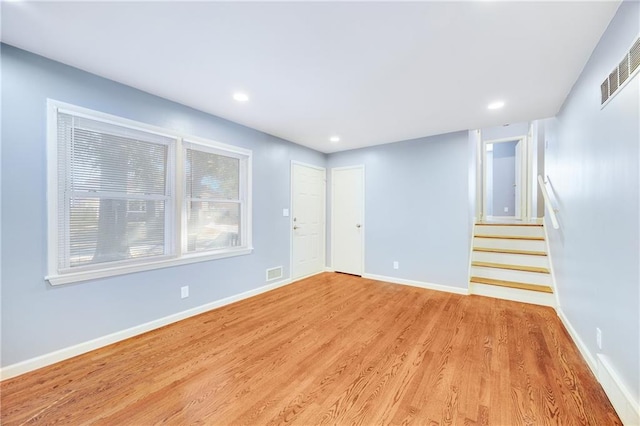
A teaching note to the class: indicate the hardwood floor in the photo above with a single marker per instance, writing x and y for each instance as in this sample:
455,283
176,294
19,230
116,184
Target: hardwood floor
331,349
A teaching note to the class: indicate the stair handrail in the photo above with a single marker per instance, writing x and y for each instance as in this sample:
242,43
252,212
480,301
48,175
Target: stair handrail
547,202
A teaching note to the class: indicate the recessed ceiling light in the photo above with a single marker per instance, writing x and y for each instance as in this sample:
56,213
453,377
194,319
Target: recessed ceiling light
334,139
495,105
241,97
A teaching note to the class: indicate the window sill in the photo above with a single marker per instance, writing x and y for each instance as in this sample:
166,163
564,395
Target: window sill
74,277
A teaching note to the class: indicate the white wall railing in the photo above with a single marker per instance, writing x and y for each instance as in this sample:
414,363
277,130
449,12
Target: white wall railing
547,202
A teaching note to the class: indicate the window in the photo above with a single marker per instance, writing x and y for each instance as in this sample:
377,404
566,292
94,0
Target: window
213,199
114,204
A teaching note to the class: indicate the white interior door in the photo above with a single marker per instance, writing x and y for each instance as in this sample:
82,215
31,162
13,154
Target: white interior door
307,220
347,220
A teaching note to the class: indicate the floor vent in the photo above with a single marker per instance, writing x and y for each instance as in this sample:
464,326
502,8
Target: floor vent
626,69
274,273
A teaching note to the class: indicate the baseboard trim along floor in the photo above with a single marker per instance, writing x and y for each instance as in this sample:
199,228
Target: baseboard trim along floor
88,346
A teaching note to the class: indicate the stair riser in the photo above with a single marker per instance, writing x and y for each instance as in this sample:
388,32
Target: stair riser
531,231
545,299
511,259
509,275
509,244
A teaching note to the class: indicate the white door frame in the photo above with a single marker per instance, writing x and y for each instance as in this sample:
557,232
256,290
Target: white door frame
291,215
364,185
521,180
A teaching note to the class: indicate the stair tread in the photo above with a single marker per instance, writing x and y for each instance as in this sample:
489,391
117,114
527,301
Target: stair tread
510,237
511,267
512,284
509,251
508,224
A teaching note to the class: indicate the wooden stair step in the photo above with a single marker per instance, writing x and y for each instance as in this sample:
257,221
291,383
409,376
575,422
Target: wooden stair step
538,269
511,284
508,224
510,237
509,251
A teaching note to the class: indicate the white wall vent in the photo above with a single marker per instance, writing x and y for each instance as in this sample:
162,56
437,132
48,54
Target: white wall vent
274,273
626,69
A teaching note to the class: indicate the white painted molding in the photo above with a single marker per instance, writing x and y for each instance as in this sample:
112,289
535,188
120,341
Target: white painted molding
554,285
591,362
628,410
328,269
81,348
421,284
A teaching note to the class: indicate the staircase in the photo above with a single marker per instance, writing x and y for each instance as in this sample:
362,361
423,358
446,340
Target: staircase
509,261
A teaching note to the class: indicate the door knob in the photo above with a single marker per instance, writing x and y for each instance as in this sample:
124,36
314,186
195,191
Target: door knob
295,227
358,225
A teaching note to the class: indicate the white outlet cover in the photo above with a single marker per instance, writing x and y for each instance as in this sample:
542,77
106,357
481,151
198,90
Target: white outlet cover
184,291
285,212
506,209
396,265
599,338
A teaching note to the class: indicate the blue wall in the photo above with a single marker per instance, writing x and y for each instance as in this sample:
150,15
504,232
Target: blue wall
416,208
592,163
38,318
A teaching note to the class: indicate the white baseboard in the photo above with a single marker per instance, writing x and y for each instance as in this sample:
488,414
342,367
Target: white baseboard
81,348
628,410
328,269
421,284
591,361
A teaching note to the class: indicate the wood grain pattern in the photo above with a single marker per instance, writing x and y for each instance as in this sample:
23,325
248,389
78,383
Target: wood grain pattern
510,237
512,284
331,349
509,251
504,223
538,269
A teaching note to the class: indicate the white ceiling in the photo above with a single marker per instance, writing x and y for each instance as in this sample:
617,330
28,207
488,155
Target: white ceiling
371,72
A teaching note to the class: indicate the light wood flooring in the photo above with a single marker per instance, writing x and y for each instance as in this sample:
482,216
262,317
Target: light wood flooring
331,349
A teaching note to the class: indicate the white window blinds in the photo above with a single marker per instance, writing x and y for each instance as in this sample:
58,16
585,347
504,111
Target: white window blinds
114,198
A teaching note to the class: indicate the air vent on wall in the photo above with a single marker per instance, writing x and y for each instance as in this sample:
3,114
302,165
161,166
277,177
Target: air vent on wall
626,69
274,273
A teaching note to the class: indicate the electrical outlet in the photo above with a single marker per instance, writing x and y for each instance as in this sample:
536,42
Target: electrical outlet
599,337
184,291
396,265
506,209
285,212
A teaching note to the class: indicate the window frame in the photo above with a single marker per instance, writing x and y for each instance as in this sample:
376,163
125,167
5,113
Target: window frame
175,210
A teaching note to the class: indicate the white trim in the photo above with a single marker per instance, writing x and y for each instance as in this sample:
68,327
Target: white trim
554,284
328,269
362,219
591,362
628,410
522,180
420,284
78,276
292,213
311,166
175,217
473,236
19,368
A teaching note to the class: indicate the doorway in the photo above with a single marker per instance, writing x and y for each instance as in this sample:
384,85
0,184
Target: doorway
308,189
504,183
347,219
